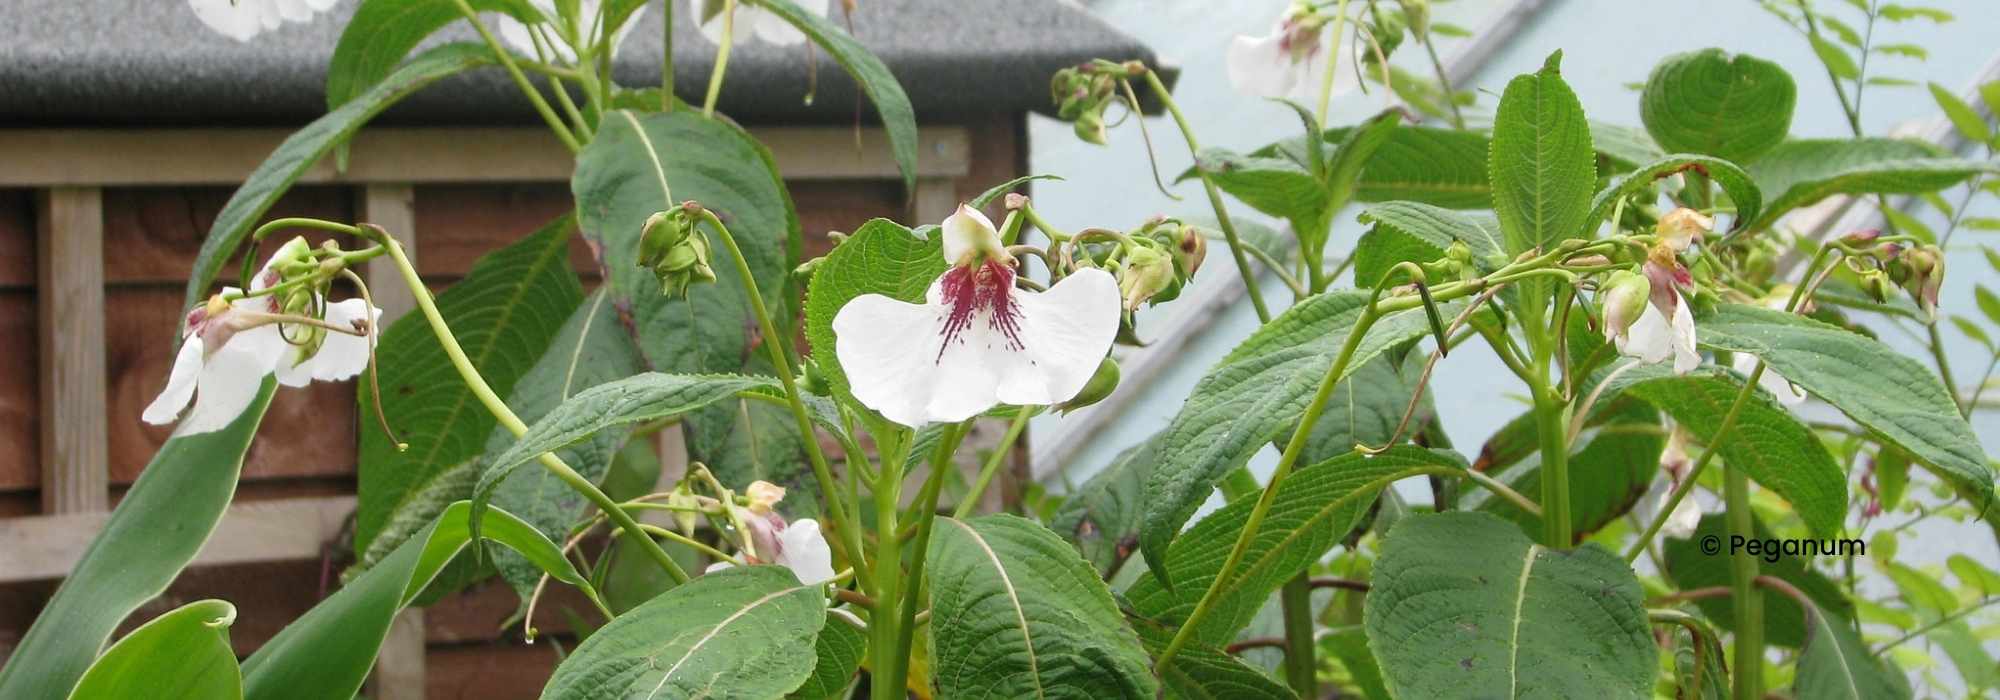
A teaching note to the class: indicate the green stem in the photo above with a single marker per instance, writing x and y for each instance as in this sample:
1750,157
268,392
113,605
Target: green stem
1214,197
781,362
970,500
1940,622
498,407
912,589
721,58
521,79
1301,671
1332,63
1444,84
1749,602
887,681
1707,454
1552,423
1936,345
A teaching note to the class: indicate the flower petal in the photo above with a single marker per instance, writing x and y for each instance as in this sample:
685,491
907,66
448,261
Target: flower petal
889,351
1773,382
1260,66
341,355
1682,522
803,549
1065,333
180,385
772,28
1685,356
236,20
709,17
968,231
1648,339
231,377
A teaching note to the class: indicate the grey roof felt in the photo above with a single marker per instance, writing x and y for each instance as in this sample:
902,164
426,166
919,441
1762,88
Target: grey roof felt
150,62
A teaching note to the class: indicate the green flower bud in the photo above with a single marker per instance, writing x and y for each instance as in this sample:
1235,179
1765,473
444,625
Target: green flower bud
1876,283
1623,298
1147,271
1089,126
1100,386
813,379
675,251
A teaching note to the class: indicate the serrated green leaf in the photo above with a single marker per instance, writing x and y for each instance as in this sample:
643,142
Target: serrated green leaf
304,148
1904,13
643,397
1203,672
1275,186
1735,183
182,654
1973,575
882,257
747,629
1968,654
1624,147
1443,167
1542,164
326,653
1465,605
155,531
1102,517
1835,664
1879,388
838,653
1317,506
1413,232
382,32
1963,117
1845,33
1920,590
1689,568
1711,103
504,315
1904,50
1251,396
1015,613
1349,645
1836,59
1798,173
891,104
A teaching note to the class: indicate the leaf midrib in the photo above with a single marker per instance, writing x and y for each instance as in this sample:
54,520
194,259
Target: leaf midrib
1013,597
740,612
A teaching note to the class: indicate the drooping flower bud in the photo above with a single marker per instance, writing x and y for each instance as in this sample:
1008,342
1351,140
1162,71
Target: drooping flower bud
1861,238
1147,271
1876,283
1682,227
1089,127
676,251
685,507
1101,384
1926,276
1190,250
762,495
1623,298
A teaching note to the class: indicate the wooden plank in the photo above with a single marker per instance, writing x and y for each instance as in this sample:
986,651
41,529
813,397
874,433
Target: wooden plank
154,233
47,546
17,239
399,667
103,157
71,296
394,208
935,199
462,222
20,394
500,670
308,432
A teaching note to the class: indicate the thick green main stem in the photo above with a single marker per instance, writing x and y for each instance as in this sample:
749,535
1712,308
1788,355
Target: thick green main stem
1214,197
1748,601
1301,671
926,514
505,415
891,665
1552,425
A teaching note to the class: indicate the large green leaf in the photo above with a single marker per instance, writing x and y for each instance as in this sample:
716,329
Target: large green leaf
1275,186
747,631
327,652
1442,167
1767,442
1542,165
1612,463
505,313
382,32
898,117
305,147
1316,507
882,257
1102,517
838,651
1884,391
1413,232
1835,664
1799,173
1203,672
1015,613
643,397
1742,192
181,655
1251,397
591,349
1709,102
1465,605
1784,623
155,531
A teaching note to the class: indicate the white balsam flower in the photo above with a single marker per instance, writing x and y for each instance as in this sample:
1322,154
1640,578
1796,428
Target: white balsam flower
228,348
799,547
243,20
1289,62
976,341
750,22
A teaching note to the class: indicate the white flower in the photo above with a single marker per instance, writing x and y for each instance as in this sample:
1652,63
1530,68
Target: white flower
1289,62
588,13
228,348
976,341
1654,338
799,547
1773,382
750,21
243,19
